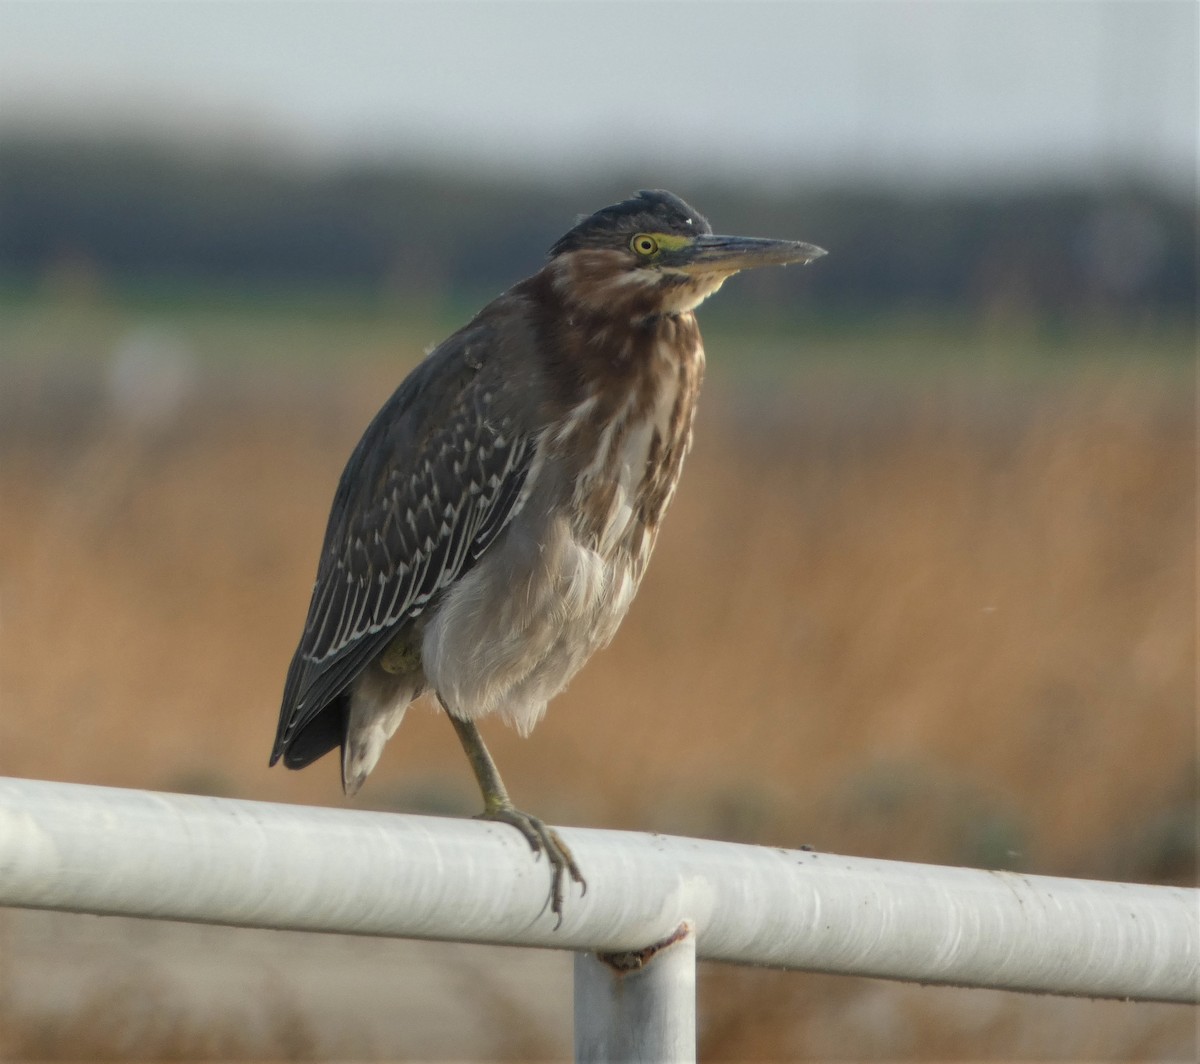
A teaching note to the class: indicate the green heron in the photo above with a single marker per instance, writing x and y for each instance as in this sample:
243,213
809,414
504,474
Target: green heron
495,519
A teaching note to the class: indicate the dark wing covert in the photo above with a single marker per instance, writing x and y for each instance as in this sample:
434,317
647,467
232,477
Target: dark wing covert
435,478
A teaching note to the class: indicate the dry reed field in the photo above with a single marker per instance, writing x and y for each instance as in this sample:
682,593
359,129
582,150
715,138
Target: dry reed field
934,616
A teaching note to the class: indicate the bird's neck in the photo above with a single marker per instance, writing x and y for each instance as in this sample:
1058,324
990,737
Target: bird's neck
622,390
608,349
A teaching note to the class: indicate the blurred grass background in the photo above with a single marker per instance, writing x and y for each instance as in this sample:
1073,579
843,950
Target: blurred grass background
924,594
927,590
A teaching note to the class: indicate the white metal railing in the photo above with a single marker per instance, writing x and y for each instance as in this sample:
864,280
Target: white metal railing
654,903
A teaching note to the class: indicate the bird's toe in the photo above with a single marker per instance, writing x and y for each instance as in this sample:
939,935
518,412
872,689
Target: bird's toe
543,839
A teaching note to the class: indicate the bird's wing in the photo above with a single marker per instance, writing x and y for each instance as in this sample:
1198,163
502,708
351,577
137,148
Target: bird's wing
434,479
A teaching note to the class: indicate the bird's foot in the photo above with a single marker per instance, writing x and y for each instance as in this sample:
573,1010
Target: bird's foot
541,839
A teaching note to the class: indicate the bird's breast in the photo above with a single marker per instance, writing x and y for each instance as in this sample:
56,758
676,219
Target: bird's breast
628,438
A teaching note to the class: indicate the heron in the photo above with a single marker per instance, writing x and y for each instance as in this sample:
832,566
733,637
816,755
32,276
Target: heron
492,526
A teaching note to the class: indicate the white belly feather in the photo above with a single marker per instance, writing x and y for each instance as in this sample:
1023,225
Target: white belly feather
509,637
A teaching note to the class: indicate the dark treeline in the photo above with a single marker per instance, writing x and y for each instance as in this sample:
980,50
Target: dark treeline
139,213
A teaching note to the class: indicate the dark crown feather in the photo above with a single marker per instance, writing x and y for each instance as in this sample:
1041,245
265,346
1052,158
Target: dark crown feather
651,210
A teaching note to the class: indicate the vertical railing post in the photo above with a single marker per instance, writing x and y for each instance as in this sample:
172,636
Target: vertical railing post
638,1006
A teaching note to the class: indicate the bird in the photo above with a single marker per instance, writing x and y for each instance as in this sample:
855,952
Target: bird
492,525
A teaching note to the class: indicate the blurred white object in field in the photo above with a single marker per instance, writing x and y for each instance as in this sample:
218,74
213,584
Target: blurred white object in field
152,373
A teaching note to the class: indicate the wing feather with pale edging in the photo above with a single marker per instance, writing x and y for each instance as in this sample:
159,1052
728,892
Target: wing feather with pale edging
433,481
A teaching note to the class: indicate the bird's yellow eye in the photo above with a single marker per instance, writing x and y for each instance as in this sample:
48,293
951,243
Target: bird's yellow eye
644,244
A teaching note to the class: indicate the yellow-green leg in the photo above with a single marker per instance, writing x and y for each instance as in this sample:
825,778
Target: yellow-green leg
499,807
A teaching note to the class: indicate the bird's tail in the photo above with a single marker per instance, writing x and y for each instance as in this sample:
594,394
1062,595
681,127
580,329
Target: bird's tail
324,732
375,709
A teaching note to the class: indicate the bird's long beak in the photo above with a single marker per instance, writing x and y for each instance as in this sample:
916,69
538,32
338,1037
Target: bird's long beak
729,254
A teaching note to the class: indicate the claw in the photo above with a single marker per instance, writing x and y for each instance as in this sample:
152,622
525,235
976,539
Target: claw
543,839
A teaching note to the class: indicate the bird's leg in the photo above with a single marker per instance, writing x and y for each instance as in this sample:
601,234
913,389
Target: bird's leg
499,807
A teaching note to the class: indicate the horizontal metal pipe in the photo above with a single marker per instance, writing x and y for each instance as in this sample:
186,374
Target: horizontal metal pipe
254,864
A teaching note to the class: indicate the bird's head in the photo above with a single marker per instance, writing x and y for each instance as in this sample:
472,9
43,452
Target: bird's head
654,254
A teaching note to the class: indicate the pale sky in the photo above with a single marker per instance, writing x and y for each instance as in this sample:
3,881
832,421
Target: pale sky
975,90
